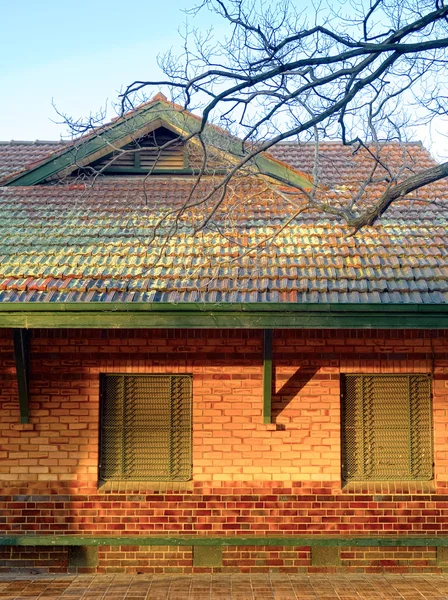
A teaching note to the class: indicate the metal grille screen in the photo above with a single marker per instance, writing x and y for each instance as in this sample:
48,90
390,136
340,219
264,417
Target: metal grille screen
146,428
386,428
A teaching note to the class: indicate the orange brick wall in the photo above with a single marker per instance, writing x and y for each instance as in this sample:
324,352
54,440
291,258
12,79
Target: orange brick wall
26,558
248,477
396,559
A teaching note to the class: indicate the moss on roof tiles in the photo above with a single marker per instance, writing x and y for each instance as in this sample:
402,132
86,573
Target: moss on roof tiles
90,244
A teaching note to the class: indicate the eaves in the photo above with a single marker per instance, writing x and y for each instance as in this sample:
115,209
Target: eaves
101,315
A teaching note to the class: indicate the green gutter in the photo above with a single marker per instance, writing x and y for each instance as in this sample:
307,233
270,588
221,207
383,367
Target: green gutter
102,315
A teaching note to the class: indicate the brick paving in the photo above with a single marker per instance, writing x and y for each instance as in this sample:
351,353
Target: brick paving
223,587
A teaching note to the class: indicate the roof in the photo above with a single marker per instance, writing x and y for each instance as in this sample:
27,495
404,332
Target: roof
63,244
338,164
119,241
20,156
341,165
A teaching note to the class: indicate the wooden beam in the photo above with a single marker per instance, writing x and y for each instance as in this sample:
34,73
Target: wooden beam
162,315
267,375
157,171
22,339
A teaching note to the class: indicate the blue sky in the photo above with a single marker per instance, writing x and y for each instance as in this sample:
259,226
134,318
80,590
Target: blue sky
80,53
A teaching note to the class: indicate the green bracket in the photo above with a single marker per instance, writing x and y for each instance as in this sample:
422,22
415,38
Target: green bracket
325,556
207,556
267,375
22,338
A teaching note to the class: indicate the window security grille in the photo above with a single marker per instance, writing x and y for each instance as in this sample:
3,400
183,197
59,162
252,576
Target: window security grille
387,428
145,428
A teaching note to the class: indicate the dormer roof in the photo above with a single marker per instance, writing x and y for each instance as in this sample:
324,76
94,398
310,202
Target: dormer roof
137,126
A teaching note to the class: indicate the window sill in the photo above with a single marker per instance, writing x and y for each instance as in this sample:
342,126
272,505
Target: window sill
139,487
389,487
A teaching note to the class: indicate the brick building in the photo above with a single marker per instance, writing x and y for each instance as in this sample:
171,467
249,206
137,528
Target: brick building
263,396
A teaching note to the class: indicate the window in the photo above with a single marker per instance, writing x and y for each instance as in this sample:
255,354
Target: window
386,428
145,428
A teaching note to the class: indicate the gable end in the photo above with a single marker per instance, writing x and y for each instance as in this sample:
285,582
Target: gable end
160,151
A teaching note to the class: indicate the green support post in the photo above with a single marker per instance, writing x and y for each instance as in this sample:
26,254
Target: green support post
22,339
267,375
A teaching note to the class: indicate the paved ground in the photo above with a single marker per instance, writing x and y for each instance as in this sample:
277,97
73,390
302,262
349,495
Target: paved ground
223,587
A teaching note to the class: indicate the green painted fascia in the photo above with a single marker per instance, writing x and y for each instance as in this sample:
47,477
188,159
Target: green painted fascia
281,172
115,135
227,316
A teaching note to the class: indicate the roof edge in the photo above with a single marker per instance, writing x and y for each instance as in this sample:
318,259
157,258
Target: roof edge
98,315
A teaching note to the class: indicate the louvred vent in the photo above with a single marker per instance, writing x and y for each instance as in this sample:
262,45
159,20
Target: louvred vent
146,154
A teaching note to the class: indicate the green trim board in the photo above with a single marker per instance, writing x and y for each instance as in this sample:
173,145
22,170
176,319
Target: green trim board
140,122
102,315
201,540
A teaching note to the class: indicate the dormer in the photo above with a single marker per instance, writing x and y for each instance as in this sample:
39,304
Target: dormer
158,137
159,152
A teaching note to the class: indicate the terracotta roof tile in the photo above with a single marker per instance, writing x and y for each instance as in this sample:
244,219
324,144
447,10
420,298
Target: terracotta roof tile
72,244
16,156
344,166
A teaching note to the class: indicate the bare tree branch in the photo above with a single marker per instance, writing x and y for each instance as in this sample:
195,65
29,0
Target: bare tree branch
399,191
363,77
